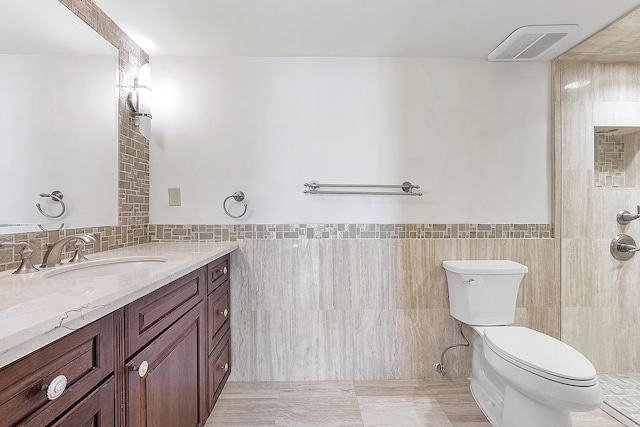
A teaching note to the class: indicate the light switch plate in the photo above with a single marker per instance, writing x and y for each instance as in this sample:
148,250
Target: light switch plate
174,196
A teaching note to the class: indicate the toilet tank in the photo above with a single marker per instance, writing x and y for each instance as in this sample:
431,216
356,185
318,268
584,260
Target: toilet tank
483,292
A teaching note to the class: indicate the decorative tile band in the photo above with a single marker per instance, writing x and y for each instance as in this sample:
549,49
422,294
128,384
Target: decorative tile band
235,232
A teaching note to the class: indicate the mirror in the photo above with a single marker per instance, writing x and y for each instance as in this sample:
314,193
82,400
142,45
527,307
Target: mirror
58,120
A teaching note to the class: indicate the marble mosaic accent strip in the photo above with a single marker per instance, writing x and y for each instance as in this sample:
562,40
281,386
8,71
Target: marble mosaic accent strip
609,166
235,232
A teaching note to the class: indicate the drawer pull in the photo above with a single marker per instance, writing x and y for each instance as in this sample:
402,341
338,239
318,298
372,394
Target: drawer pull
142,369
224,270
225,367
56,388
225,312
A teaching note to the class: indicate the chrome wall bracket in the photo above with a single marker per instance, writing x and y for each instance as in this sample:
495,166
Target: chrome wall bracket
238,196
56,196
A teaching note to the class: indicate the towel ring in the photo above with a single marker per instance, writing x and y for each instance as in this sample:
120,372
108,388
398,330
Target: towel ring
238,196
56,196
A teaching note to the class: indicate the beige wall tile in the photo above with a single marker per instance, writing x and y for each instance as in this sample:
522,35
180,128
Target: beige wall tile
367,309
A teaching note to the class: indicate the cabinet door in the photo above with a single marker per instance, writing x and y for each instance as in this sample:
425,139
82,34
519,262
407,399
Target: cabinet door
219,368
97,409
219,303
166,380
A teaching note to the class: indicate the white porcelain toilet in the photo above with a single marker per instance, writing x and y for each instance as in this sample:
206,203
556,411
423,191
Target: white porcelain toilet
519,377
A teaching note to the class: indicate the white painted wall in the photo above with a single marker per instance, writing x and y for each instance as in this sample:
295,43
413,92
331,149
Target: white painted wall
473,134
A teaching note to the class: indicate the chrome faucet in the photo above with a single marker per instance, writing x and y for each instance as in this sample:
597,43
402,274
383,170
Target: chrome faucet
54,253
25,253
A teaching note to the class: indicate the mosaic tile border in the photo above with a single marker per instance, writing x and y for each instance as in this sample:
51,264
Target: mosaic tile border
235,232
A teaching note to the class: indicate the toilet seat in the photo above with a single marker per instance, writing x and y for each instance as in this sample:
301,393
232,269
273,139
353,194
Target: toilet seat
541,355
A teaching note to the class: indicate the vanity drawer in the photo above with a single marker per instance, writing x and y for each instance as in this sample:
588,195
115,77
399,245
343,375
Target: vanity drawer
219,311
219,271
150,315
84,357
219,368
97,409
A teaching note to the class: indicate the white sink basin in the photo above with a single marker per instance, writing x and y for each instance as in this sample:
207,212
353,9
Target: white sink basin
104,267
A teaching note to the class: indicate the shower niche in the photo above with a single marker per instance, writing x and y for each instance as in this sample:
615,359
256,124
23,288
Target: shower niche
616,157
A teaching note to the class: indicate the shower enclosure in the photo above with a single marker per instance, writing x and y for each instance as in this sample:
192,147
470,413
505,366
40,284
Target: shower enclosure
597,122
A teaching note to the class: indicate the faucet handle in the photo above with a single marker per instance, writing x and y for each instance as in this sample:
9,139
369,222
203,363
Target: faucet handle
78,256
624,217
26,266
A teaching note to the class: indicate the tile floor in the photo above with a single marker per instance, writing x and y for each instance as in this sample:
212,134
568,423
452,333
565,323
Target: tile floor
622,395
445,403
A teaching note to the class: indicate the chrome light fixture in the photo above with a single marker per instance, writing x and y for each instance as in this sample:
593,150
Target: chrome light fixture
140,100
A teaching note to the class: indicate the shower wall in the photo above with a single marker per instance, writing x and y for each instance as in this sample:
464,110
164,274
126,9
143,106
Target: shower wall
600,296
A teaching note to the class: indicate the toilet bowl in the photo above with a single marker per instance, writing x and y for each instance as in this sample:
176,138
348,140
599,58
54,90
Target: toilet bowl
519,377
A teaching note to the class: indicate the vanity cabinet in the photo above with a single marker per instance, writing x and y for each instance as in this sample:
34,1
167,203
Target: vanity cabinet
82,360
163,359
219,331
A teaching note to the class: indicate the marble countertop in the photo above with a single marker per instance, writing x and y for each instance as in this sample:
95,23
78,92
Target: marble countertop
35,310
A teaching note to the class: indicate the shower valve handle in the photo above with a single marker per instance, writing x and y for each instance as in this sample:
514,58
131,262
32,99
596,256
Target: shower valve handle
624,217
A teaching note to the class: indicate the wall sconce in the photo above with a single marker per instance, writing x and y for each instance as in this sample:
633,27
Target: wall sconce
140,100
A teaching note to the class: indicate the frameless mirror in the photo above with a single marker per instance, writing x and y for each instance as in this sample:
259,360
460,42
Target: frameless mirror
58,120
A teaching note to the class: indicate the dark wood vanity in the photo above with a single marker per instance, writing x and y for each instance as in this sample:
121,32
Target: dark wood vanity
162,360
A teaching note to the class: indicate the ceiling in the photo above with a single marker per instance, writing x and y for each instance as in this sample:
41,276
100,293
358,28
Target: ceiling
419,28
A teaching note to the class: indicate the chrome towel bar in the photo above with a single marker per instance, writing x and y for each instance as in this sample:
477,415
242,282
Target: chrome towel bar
407,188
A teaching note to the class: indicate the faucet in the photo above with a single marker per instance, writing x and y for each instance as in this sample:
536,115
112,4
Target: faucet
54,253
25,253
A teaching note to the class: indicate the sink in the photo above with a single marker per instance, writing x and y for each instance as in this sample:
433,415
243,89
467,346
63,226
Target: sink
104,267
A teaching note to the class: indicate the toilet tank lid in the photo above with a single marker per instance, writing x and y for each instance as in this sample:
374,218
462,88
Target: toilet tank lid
485,266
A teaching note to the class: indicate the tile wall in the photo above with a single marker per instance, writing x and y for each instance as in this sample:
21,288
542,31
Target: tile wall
133,200
336,309
357,301
600,296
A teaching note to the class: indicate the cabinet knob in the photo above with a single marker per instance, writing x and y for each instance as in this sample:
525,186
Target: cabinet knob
225,312
225,367
142,369
224,270
56,387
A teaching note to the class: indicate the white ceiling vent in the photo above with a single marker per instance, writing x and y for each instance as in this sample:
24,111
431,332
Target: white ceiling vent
533,43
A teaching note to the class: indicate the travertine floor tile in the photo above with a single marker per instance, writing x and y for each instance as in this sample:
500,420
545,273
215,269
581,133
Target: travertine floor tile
380,411
317,411
244,413
412,403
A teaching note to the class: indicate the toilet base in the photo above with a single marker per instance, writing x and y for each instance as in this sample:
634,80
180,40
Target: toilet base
503,404
517,410
522,411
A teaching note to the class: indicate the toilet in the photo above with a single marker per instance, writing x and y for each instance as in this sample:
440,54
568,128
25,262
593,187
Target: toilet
519,377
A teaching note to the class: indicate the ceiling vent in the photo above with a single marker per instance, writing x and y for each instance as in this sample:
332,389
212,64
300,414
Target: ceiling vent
533,43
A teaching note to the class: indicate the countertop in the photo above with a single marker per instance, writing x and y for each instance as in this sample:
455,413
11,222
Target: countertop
35,311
